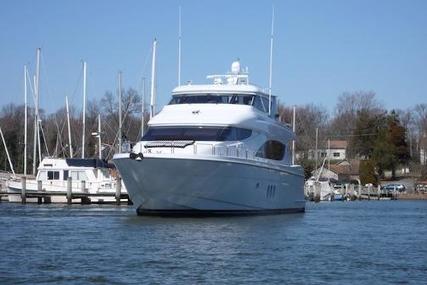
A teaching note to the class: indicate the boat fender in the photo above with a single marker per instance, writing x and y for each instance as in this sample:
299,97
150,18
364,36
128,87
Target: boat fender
140,156
133,155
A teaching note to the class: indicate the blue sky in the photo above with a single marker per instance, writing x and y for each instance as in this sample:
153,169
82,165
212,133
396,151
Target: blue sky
322,48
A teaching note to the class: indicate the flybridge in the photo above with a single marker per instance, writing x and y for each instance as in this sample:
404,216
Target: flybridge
231,88
235,81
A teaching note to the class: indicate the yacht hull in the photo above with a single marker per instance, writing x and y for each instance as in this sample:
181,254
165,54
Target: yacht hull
188,186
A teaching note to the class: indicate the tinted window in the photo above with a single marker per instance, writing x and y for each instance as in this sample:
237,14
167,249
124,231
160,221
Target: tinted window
272,150
265,103
259,104
197,134
52,175
65,174
200,99
242,99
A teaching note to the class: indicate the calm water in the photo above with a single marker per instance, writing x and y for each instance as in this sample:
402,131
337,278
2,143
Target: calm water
375,242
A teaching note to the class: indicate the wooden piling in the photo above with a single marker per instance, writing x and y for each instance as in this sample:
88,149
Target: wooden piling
369,192
24,190
69,191
118,190
39,189
360,191
379,191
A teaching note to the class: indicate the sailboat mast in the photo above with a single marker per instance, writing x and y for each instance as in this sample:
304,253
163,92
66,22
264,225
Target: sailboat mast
271,62
153,81
84,109
120,111
69,127
99,137
25,119
7,152
293,129
36,115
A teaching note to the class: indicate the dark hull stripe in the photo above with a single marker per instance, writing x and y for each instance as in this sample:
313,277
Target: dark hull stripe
213,213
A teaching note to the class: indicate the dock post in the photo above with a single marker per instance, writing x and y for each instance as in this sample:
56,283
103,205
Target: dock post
360,191
39,189
23,190
118,190
379,191
69,191
369,192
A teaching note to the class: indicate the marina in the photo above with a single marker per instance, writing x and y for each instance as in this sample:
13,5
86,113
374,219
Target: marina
154,142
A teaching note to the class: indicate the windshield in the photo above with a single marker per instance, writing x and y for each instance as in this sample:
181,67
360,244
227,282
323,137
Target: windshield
200,99
257,101
196,134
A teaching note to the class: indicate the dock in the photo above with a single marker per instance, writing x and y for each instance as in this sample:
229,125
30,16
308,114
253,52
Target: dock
45,197
81,196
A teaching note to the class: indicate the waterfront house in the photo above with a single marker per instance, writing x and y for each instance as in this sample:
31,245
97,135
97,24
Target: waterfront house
336,151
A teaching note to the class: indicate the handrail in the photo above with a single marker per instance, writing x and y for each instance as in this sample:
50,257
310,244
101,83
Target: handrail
210,149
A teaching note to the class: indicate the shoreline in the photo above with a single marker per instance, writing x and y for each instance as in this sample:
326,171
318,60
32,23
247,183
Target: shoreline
412,196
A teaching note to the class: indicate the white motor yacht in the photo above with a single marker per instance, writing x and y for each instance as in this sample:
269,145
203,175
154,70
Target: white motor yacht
53,174
214,150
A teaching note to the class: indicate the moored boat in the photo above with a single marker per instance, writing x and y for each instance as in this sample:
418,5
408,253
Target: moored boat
215,149
93,176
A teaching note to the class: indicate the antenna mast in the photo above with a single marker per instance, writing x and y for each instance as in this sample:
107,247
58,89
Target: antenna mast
271,61
179,47
153,81
84,109
143,107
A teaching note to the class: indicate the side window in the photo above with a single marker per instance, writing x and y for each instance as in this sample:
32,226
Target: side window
272,150
243,133
259,104
265,103
65,174
78,175
53,175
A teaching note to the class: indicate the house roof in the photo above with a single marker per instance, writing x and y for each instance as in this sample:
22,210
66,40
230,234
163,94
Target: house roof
338,144
351,169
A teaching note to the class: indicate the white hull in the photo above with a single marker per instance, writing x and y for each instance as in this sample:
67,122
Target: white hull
189,185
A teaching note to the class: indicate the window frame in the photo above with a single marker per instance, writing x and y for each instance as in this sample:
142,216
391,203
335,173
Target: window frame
267,150
191,133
